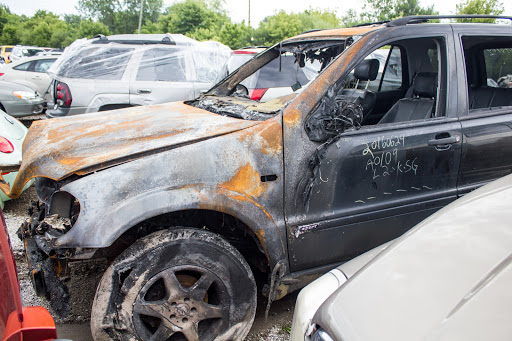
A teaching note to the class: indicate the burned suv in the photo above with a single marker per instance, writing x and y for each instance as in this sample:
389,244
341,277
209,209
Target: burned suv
199,205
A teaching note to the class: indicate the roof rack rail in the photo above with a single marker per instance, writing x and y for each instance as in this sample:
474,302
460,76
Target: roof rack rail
416,19
164,41
372,23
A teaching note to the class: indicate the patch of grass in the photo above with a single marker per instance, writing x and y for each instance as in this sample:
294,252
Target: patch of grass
287,328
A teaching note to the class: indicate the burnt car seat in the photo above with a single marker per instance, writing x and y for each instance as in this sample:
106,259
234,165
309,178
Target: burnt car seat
367,70
420,105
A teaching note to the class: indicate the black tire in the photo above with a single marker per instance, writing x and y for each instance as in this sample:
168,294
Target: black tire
180,284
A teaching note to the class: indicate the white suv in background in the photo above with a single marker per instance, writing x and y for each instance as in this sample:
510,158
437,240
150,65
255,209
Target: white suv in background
119,71
282,76
19,52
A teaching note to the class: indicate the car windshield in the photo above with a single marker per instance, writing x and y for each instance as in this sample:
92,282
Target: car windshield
279,73
31,52
262,87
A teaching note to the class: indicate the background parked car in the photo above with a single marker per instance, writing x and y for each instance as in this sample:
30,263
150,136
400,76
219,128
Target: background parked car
51,52
5,52
12,134
446,279
18,322
30,72
278,78
19,52
19,100
106,73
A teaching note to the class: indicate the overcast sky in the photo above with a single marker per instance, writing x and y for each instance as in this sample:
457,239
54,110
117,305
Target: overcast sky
238,9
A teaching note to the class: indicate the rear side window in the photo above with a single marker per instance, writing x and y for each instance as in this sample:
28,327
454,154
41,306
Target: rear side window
107,63
22,67
488,71
498,67
43,65
162,64
8,49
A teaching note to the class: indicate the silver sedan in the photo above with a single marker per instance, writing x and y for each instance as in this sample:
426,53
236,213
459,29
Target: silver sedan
19,100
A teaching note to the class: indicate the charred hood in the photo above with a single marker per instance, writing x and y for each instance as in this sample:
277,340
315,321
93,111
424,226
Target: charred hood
58,148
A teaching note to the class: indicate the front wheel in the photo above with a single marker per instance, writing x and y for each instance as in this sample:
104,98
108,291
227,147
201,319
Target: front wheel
180,284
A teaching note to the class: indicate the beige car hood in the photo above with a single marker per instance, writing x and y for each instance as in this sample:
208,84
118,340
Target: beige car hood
58,148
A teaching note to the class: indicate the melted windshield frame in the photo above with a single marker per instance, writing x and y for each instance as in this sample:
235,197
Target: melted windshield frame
228,99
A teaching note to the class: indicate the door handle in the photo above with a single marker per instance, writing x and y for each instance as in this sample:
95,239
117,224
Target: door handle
144,91
444,141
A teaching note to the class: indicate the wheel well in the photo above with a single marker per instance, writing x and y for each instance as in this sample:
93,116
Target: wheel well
114,106
232,229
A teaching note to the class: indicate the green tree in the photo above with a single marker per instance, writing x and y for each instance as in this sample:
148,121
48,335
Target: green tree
277,27
39,30
121,16
9,26
151,27
5,14
46,29
89,28
193,15
479,7
236,35
312,19
382,10
411,7
351,18
10,33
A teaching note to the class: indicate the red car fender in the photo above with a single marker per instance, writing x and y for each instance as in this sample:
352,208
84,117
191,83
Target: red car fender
37,325
29,323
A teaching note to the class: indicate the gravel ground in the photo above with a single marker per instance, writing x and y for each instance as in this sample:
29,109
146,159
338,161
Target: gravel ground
85,276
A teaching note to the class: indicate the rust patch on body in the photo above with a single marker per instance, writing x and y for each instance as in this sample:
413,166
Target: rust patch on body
246,180
271,138
340,33
292,118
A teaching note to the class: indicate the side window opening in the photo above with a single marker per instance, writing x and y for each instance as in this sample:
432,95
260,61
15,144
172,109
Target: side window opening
408,85
22,67
392,79
389,75
488,72
43,65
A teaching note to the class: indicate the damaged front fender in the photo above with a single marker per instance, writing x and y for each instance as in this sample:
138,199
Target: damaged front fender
238,174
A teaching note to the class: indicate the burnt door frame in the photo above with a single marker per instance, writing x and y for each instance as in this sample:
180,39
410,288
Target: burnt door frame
304,222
